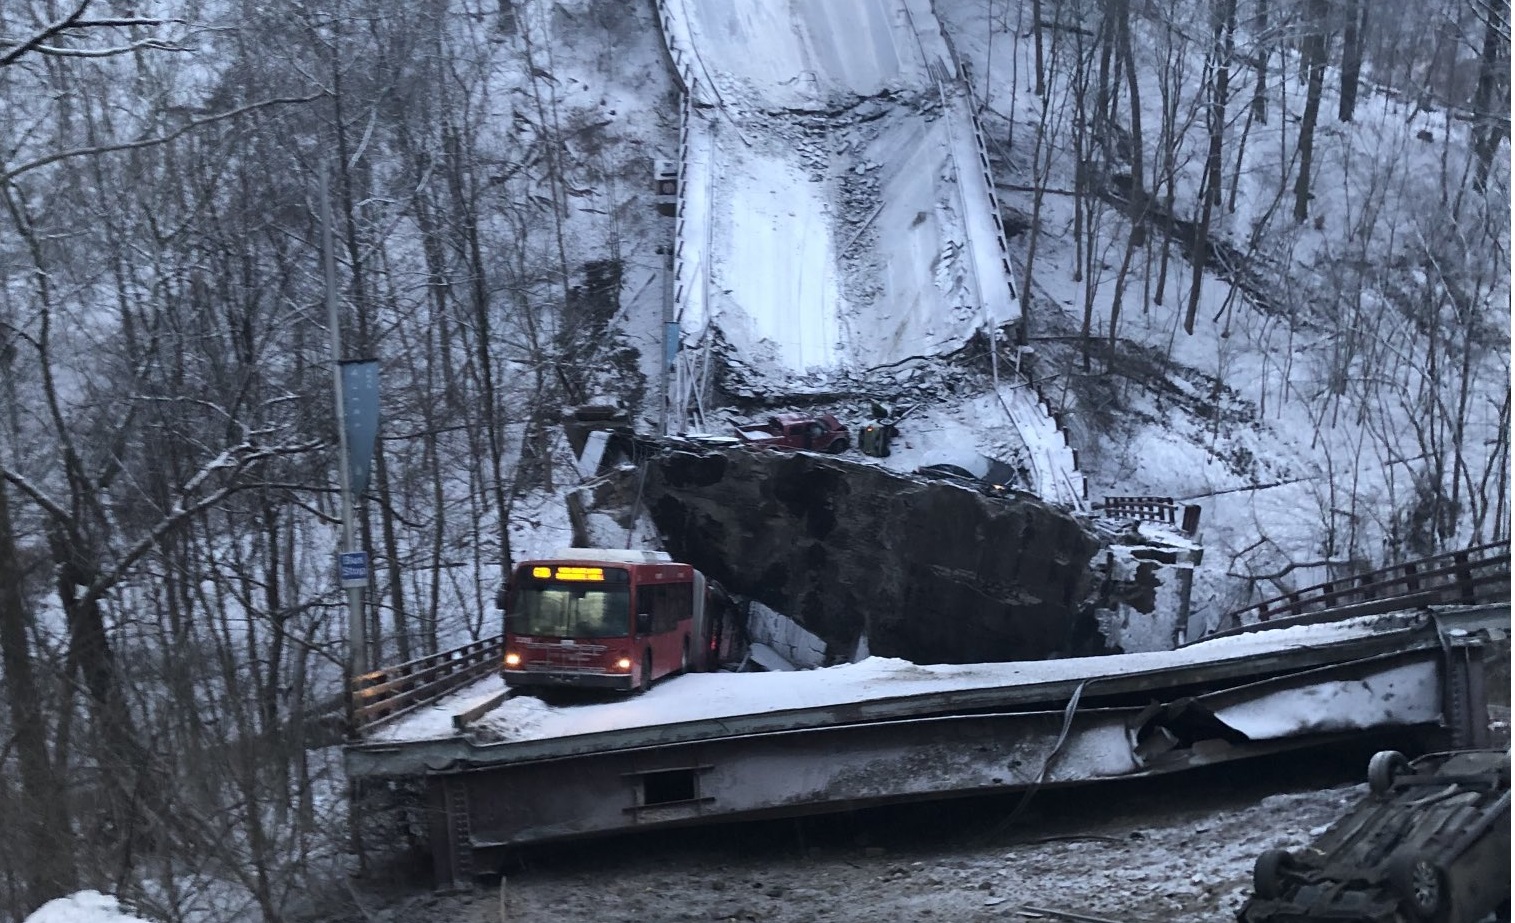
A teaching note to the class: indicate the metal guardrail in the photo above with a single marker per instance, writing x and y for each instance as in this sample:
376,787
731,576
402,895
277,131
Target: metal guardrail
392,691
1076,484
1152,509
1472,575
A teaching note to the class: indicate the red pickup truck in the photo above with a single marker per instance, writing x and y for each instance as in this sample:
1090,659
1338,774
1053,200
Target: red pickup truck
820,433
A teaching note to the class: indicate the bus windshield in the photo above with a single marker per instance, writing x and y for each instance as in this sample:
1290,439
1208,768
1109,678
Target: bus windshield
553,610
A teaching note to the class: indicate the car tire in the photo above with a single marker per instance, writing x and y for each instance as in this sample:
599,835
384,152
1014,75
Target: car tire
684,659
1268,873
646,681
1383,769
838,446
1421,884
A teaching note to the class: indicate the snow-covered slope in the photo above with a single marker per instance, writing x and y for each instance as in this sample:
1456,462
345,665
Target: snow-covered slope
822,237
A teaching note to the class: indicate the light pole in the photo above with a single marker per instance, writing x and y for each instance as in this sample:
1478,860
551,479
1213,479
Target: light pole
352,559
665,197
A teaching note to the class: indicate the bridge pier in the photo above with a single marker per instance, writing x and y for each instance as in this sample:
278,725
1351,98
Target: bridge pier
1465,709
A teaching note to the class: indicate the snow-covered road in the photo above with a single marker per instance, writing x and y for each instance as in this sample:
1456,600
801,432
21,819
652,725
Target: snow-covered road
834,213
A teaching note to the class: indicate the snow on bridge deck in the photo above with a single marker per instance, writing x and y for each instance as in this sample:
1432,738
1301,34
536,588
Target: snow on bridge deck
717,696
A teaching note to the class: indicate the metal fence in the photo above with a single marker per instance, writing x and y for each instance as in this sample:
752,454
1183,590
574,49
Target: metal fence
1153,509
392,691
1472,575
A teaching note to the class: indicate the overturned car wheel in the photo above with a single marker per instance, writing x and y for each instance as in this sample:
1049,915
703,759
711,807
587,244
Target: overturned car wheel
1384,768
1268,873
1422,885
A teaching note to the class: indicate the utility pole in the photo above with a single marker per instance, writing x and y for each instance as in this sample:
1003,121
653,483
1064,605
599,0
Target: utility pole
352,583
670,345
665,180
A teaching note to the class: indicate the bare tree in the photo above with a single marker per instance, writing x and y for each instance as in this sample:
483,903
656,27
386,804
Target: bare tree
1491,101
1313,60
1223,28
1356,13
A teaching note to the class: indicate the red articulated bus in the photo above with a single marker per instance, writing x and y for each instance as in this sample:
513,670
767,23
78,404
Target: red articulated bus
608,619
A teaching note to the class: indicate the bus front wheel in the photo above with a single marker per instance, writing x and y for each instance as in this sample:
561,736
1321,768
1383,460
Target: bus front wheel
646,682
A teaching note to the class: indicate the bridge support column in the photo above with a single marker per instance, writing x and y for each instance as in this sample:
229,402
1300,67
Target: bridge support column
1465,704
450,833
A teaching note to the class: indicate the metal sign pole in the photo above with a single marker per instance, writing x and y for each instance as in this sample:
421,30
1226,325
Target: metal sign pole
357,642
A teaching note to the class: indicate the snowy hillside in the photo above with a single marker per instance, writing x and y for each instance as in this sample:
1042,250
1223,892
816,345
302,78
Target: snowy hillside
1343,398
1331,384
831,239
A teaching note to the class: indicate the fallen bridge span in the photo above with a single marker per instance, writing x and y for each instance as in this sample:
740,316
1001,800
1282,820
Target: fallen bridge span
503,772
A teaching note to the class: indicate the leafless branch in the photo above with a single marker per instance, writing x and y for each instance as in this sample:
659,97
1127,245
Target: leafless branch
70,21
148,44
235,459
38,496
174,135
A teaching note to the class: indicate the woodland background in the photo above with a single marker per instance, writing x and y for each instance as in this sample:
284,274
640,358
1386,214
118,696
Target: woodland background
171,633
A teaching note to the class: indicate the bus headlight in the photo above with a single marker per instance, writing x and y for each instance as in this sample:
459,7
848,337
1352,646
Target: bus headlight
623,664
512,659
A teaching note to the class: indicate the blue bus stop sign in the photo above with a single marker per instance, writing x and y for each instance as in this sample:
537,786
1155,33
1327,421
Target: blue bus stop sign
354,569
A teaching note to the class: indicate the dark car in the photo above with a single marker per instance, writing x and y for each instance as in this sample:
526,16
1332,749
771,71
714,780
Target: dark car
948,473
956,474
1429,844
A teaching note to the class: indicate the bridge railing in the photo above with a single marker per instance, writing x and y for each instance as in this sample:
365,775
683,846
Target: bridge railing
1470,575
391,691
1152,509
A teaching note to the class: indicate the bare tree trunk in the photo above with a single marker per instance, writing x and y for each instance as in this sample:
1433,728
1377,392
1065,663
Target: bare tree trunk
1086,332
465,202
277,613
1118,296
1223,27
1041,167
1260,66
1138,205
1493,76
1079,81
1351,57
45,828
1241,151
1313,58
1036,28
1165,183
1103,92
400,620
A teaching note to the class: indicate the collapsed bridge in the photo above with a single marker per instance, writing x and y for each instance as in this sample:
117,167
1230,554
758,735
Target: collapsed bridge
499,771
502,771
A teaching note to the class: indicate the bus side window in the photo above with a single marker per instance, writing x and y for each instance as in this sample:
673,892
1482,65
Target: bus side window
675,604
645,608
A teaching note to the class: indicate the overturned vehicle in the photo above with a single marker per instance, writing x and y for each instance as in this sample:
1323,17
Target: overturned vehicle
1430,842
